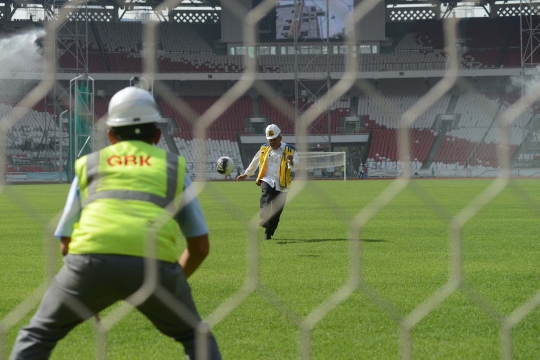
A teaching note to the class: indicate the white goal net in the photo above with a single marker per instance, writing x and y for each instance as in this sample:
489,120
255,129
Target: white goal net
324,165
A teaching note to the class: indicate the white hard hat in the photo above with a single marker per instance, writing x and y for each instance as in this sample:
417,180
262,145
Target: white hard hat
132,106
272,131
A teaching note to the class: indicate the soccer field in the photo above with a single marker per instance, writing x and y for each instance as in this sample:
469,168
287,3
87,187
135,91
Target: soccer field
405,259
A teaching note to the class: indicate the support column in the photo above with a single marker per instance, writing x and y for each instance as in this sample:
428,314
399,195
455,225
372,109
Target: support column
72,41
116,17
6,13
323,83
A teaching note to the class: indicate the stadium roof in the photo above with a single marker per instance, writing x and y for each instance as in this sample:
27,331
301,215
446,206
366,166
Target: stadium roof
121,3
213,3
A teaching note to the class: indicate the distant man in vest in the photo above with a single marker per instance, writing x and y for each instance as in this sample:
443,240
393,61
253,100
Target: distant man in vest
117,196
275,161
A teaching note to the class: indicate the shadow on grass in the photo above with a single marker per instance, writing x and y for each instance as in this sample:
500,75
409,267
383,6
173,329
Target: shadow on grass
373,240
298,241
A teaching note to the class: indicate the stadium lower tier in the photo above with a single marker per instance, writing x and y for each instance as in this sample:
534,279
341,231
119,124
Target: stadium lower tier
382,154
470,139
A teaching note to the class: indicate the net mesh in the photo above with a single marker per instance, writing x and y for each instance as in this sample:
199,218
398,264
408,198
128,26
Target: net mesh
456,220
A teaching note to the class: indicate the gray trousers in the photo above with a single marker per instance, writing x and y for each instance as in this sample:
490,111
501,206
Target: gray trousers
99,281
272,203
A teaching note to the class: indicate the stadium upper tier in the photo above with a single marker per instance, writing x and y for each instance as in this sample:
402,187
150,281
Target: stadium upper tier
182,48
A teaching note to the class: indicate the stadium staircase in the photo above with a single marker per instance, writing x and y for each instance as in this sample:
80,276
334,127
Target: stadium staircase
104,57
436,145
166,134
353,108
368,148
245,160
452,104
210,32
255,108
463,27
395,31
168,138
528,144
481,142
441,133
504,49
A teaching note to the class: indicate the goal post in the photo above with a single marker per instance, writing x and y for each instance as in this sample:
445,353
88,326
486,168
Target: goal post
325,164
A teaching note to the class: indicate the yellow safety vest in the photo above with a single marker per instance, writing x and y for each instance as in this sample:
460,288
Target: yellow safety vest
284,170
125,188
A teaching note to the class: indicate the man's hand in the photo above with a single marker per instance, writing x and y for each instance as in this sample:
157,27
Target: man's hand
64,245
241,177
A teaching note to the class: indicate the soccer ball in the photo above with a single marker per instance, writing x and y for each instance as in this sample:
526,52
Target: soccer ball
224,165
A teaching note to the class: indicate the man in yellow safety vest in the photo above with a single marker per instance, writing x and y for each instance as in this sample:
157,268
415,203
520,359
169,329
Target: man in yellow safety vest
126,202
275,161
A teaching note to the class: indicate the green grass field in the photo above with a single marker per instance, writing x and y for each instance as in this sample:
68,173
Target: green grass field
405,257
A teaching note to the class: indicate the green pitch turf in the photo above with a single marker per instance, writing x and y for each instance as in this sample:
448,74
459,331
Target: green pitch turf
405,259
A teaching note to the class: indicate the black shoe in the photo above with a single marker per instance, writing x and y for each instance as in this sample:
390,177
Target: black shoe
263,223
267,237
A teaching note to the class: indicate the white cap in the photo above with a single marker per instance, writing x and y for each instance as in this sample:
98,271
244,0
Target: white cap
132,106
272,131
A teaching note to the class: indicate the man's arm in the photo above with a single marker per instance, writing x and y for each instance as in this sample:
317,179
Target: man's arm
193,226
251,168
197,250
71,215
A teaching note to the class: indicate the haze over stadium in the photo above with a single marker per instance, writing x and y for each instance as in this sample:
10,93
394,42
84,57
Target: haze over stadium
441,91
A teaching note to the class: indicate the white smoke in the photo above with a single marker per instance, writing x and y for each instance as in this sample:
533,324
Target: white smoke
522,85
19,53
527,82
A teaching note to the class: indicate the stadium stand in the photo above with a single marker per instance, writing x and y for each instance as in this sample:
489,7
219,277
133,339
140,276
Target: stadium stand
122,37
387,114
477,113
282,117
471,140
457,147
100,106
183,39
214,150
227,126
206,63
72,55
17,26
31,142
383,119
474,140
383,153
181,48
488,151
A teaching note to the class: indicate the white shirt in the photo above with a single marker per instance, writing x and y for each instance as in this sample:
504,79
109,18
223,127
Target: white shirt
272,166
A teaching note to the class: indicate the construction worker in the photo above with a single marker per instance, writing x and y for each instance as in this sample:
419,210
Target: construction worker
118,196
275,161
